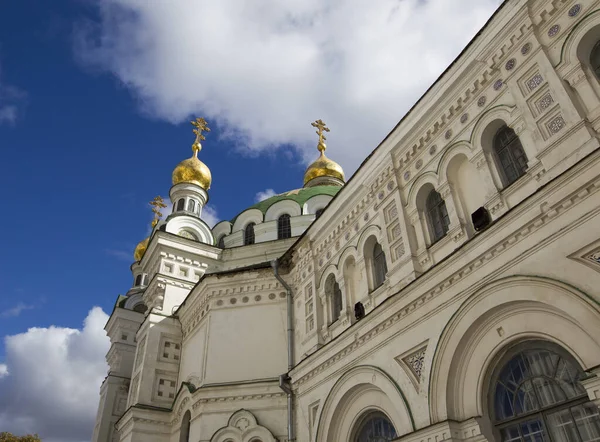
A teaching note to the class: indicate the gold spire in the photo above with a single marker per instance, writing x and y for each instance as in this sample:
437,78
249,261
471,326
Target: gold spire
193,170
157,203
330,171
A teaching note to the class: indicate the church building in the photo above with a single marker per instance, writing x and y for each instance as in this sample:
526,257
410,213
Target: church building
448,291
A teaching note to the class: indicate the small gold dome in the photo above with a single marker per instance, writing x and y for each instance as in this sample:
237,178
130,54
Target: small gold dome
323,167
140,249
192,171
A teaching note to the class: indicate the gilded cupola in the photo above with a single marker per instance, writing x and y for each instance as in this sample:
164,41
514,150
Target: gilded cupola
140,249
193,170
323,171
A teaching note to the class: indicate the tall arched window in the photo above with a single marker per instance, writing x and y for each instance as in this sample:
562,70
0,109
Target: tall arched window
595,59
221,242
510,154
191,206
538,397
437,216
379,266
374,427
334,295
140,308
138,280
180,204
249,237
284,228
184,431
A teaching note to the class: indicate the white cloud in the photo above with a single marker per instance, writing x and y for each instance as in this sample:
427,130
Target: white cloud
11,98
210,216
265,70
50,380
261,196
16,310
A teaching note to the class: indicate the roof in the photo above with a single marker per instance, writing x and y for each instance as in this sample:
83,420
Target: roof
298,195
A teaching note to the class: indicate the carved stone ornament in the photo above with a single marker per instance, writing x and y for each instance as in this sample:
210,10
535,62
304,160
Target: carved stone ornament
243,426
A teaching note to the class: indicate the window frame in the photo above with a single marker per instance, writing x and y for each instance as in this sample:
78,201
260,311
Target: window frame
436,214
284,226
249,234
506,150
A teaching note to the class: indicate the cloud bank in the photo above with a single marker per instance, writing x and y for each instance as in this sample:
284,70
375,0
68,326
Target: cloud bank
50,380
265,70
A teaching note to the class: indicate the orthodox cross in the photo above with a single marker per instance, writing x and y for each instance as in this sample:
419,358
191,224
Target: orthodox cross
321,127
200,125
157,203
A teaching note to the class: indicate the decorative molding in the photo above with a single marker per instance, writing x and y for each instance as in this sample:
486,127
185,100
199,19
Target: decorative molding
509,241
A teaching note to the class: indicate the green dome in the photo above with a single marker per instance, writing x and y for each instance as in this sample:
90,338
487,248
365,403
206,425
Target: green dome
299,195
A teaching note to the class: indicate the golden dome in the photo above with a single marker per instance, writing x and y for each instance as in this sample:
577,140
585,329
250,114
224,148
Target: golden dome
140,249
323,167
193,171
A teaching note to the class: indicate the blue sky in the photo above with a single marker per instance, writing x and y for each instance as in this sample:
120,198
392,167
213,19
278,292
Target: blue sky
95,103
79,165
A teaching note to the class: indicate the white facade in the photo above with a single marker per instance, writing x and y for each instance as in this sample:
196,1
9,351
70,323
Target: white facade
470,332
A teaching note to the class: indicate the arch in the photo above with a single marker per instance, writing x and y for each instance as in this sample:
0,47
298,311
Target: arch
242,427
461,148
466,191
356,392
134,300
373,424
248,216
315,203
180,204
375,261
138,280
290,207
500,112
572,46
184,430
197,226
372,230
425,180
502,313
191,207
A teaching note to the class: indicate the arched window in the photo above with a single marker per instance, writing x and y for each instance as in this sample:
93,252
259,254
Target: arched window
249,237
319,212
510,154
595,59
374,427
138,280
538,397
379,266
221,242
145,279
437,216
191,206
180,204
184,431
284,228
334,295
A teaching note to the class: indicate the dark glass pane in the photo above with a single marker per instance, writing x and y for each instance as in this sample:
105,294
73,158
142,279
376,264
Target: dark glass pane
568,377
503,402
587,421
510,434
379,266
562,427
376,429
510,154
437,216
284,228
533,431
548,392
180,204
525,400
336,302
249,237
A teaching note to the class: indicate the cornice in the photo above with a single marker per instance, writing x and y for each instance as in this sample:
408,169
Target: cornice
549,212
